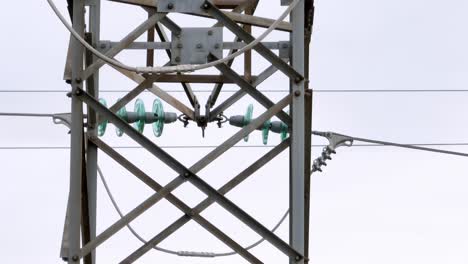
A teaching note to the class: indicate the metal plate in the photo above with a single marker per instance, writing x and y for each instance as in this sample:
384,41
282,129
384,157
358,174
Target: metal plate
193,45
180,6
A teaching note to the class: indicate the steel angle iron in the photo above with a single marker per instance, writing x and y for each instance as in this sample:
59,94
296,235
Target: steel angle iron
139,118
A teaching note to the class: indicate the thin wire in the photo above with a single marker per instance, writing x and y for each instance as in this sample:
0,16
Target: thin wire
178,68
265,91
212,146
180,253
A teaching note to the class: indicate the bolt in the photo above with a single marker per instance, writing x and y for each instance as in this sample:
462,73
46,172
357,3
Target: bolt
186,175
103,46
77,92
75,258
298,80
298,258
78,80
177,59
285,45
170,6
216,46
205,6
210,32
179,46
199,46
297,93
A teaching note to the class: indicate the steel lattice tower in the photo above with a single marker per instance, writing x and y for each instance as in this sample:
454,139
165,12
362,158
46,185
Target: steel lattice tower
186,47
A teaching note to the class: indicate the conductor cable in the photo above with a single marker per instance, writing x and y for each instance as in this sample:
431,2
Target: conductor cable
180,253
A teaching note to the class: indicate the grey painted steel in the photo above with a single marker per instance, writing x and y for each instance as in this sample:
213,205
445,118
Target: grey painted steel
91,150
167,45
174,164
262,50
297,182
223,190
76,151
239,94
249,89
174,200
193,45
127,40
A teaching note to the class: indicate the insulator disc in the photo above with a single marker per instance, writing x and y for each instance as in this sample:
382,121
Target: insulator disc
141,115
158,110
248,119
103,125
122,113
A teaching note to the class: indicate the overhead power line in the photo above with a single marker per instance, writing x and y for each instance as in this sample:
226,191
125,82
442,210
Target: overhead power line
247,146
269,91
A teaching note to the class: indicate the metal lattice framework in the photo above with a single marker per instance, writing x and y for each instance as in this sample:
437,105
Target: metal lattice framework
80,240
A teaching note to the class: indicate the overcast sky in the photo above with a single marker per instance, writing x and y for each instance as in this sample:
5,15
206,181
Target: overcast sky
371,205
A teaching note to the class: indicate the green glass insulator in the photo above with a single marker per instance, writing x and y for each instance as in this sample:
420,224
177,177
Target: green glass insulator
141,115
103,124
284,131
248,119
158,110
266,131
122,113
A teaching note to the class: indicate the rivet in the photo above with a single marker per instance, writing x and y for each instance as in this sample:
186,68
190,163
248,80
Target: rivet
199,46
179,46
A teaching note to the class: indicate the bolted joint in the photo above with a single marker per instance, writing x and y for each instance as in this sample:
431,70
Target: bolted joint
206,5
297,93
187,175
78,92
298,80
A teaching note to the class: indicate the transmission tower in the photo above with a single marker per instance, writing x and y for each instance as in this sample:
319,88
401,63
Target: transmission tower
189,50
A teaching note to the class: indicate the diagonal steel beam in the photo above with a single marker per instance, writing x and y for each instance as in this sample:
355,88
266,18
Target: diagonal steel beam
250,6
134,93
223,190
248,88
248,38
239,94
174,200
184,172
186,86
127,40
156,90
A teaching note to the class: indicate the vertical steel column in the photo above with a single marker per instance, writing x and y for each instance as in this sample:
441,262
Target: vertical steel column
297,155
91,150
76,144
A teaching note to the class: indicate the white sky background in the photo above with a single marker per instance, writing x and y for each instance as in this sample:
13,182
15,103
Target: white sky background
371,205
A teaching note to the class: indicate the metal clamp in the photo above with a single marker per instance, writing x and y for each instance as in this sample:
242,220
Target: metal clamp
335,141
